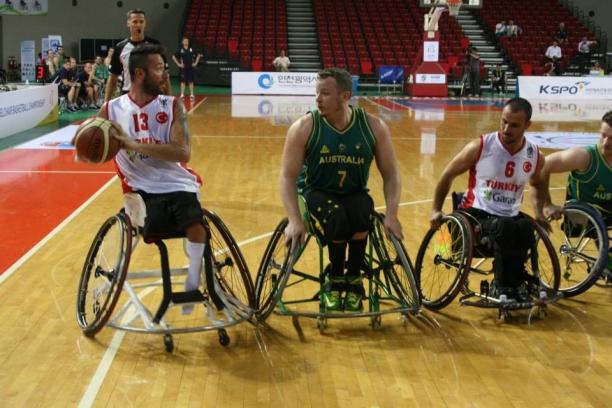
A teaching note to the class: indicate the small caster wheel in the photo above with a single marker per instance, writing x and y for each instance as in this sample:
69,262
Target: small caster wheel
224,339
504,315
168,343
376,321
542,312
321,323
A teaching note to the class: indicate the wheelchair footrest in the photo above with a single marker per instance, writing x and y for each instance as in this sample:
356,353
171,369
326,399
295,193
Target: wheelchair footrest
192,296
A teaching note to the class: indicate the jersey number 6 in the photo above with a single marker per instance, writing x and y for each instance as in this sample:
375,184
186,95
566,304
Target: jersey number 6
509,169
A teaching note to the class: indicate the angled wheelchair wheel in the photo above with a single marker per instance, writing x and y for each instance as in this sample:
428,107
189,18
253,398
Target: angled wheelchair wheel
443,261
581,241
228,263
103,274
391,255
542,262
273,273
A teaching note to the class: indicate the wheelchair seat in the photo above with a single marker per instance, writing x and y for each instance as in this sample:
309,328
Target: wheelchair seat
281,283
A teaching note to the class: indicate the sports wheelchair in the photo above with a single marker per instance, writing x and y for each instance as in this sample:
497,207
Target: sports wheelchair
582,241
458,249
226,288
387,273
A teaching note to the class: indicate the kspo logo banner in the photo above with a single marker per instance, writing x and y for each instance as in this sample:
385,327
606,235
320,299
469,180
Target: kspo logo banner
532,87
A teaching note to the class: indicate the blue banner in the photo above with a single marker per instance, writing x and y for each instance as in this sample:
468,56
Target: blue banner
388,74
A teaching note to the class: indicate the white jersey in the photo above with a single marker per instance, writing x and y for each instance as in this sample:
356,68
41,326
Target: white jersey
497,180
149,123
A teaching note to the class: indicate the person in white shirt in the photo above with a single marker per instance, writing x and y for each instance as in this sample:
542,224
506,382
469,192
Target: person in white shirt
512,30
553,54
501,29
281,63
500,165
155,147
584,52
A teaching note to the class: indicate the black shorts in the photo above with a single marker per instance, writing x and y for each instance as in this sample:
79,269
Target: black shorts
187,75
63,90
169,214
338,217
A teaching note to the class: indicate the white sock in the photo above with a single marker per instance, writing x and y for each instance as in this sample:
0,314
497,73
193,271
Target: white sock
196,254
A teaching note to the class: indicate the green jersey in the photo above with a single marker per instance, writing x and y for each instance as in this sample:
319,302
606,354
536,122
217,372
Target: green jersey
338,161
593,185
101,72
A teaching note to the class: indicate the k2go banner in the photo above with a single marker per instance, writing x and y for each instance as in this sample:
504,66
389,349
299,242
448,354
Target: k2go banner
575,88
274,83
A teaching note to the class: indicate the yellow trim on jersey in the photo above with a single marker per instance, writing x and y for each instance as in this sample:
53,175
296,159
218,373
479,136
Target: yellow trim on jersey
602,158
369,138
346,129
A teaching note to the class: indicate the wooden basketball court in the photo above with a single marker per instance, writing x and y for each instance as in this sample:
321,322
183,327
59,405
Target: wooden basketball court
460,357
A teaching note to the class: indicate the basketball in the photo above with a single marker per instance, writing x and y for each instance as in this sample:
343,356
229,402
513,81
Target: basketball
94,142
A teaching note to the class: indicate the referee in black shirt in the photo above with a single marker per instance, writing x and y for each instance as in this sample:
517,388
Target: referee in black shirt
119,65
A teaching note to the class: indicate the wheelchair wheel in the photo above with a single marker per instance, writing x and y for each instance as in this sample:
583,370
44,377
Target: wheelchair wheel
391,254
273,273
103,274
581,240
443,261
542,261
228,263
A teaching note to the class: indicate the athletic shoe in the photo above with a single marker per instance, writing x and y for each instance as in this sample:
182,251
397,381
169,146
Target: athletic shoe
192,97
332,293
354,294
93,106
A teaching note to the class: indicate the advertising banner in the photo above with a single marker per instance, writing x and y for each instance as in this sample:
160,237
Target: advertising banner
273,83
574,88
431,49
24,8
28,60
390,74
430,78
25,108
55,41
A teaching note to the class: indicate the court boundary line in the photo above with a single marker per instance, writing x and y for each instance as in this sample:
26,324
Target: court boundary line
53,232
58,171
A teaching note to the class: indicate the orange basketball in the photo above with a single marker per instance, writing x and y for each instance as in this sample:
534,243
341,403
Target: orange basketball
94,141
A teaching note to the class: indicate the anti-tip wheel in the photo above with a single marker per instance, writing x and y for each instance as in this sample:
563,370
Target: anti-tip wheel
321,323
224,338
168,343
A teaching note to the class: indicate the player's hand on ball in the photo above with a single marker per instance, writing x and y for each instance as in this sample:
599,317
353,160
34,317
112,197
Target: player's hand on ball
120,135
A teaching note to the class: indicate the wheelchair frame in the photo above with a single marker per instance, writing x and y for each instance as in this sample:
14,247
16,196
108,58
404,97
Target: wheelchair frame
223,306
468,248
585,241
384,285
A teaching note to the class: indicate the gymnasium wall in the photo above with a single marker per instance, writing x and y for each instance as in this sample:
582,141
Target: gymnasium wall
603,11
91,19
